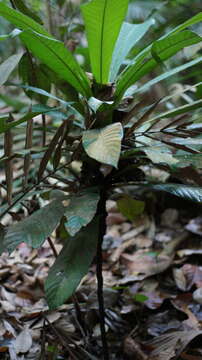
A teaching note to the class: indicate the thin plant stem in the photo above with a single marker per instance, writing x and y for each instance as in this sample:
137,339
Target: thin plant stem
102,231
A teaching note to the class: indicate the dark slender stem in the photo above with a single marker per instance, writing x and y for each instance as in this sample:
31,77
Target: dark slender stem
52,247
43,116
102,230
12,3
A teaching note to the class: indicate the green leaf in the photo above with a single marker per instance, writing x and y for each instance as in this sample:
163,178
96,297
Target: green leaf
54,54
71,265
178,111
20,5
140,298
192,193
8,66
36,228
167,75
104,145
80,211
103,20
130,207
129,35
145,62
20,20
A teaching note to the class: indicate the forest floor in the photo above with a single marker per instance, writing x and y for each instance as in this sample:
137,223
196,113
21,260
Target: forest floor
152,292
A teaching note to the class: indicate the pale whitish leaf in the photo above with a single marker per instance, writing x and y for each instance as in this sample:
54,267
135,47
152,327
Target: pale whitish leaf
104,145
36,228
129,35
8,66
185,191
23,342
80,211
157,156
103,20
71,265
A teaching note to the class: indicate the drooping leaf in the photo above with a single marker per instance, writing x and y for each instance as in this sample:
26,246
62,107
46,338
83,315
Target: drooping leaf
178,111
81,211
130,207
34,229
160,51
104,145
103,20
8,66
192,193
129,35
20,20
54,54
167,75
71,265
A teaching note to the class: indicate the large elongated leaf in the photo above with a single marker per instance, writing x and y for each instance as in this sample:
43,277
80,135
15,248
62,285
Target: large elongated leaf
160,51
71,265
36,228
20,20
167,75
54,54
103,20
185,191
81,211
104,145
8,66
129,35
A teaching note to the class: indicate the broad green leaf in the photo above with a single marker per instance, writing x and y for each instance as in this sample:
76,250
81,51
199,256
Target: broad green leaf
167,75
162,50
192,193
8,66
104,145
20,5
71,265
103,20
129,35
36,228
54,54
80,211
130,207
20,20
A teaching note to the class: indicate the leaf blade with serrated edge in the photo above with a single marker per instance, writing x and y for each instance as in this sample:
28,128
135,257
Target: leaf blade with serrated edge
103,20
104,145
36,228
71,265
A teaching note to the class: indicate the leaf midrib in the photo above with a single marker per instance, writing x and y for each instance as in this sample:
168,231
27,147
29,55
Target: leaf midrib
102,41
153,59
60,59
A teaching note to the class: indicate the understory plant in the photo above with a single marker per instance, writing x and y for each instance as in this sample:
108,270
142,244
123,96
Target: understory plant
110,133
